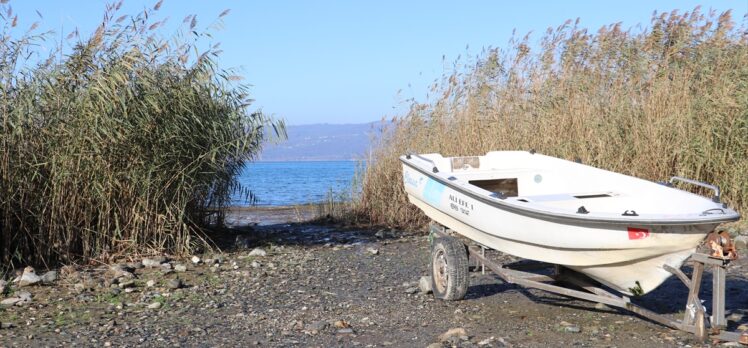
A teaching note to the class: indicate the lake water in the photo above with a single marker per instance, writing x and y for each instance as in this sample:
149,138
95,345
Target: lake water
289,183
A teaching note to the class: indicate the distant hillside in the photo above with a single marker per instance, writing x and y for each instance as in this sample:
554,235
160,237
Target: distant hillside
323,142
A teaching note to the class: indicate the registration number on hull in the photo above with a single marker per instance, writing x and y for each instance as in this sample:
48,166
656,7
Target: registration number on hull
460,205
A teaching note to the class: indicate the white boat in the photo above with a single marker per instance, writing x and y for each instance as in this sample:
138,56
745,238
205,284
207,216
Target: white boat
617,229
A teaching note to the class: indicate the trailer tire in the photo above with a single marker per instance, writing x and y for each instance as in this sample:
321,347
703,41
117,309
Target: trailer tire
449,269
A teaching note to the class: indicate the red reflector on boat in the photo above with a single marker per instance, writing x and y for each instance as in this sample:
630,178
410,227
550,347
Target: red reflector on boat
638,233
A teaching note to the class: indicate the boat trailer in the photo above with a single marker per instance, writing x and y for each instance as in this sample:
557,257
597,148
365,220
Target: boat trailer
695,319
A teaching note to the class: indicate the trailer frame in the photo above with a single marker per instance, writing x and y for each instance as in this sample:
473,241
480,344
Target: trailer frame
695,319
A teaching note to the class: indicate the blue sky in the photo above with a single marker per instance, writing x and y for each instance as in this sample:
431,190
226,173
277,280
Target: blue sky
345,61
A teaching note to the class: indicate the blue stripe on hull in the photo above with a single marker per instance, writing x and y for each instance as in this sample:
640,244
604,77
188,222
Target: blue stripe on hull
433,192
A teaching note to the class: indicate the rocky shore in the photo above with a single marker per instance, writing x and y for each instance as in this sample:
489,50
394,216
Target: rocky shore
321,286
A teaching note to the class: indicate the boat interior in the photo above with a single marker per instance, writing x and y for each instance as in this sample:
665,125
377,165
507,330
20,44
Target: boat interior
550,183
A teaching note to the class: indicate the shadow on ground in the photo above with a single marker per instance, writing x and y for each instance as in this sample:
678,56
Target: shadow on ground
300,234
668,299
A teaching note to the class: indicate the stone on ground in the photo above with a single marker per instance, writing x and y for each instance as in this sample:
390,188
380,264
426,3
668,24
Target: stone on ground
424,284
10,301
24,295
453,332
241,242
134,265
258,252
126,284
118,271
49,277
174,283
572,329
21,298
569,327
29,277
741,242
152,262
315,327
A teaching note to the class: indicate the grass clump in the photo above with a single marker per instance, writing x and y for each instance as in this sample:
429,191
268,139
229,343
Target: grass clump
124,142
670,99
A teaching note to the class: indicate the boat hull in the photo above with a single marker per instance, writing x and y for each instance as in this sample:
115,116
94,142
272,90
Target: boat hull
627,258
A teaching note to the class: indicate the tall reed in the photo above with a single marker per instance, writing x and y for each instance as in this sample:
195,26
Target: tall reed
125,142
671,99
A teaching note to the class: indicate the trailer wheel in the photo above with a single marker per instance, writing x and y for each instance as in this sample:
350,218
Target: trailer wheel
449,269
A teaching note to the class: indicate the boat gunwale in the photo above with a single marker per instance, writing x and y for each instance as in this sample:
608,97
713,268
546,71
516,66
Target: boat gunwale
568,218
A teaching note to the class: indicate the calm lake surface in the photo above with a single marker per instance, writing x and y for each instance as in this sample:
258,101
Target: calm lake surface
289,183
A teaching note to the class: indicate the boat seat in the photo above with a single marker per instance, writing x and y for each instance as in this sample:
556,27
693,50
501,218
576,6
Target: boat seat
547,198
565,197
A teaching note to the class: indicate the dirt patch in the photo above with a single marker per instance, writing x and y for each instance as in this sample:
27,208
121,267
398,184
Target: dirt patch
328,286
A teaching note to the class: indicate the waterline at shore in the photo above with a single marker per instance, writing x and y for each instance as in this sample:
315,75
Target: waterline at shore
270,215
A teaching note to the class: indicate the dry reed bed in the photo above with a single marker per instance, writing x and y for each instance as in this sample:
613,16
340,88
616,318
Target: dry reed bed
122,143
670,99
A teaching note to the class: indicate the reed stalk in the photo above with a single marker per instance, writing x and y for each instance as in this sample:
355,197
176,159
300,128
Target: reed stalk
120,143
669,99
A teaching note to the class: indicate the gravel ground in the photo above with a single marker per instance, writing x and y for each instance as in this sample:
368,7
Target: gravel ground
325,286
